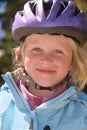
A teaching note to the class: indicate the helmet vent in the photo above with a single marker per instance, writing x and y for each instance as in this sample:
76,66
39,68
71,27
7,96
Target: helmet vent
63,5
76,11
21,13
47,7
33,8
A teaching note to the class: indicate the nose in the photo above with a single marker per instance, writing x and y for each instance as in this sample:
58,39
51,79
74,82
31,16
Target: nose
46,59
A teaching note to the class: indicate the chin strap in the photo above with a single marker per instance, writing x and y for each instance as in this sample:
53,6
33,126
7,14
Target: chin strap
50,88
21,74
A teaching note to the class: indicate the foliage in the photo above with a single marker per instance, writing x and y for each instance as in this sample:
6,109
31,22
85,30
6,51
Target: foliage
9,43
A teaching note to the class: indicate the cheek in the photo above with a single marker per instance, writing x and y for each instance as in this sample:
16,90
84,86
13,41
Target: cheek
29,62
68,66
64,64
32,58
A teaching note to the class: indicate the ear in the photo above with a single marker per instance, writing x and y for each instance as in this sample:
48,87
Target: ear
19,56
22,59
17,50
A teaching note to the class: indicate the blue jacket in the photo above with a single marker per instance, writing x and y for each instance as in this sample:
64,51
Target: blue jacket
68,111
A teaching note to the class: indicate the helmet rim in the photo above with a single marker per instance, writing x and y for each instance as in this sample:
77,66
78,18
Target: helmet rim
75,33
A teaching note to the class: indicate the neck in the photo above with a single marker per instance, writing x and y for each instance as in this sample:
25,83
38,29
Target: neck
34,88
45,92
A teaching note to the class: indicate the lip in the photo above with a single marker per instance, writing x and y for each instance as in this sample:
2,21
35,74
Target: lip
46,71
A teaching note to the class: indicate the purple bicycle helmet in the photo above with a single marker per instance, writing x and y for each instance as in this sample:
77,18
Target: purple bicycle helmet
52,17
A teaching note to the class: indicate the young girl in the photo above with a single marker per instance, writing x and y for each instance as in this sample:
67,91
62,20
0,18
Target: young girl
45,92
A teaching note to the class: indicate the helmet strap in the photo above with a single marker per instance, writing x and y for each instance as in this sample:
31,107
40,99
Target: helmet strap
50,88
21,74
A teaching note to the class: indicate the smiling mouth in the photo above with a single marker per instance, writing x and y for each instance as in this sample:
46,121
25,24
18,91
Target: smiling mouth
46,71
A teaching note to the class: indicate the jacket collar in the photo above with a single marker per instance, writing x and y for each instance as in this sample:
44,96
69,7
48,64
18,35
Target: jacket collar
22,103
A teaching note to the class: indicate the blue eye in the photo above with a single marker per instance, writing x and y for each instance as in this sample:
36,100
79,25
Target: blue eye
58,52
36,49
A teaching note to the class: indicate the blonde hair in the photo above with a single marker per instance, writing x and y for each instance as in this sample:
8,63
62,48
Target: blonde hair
79,63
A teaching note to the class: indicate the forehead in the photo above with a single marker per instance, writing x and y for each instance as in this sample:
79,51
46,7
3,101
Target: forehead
46,38
48,41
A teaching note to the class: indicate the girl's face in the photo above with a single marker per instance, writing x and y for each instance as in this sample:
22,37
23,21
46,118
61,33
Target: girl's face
47,58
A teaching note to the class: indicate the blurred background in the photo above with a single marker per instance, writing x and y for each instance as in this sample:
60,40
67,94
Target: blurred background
8,9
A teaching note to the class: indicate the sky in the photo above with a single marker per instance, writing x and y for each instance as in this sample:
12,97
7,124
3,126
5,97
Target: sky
2,6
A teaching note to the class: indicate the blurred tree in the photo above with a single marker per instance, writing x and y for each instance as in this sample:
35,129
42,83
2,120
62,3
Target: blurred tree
8,42
82,4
